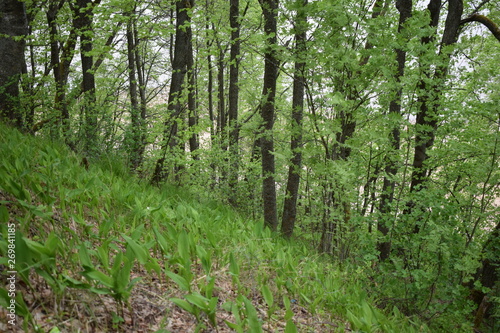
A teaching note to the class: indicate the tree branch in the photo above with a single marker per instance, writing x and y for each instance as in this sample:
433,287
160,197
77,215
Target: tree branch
492,26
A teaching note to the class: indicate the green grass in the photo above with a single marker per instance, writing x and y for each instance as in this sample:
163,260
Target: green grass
94,239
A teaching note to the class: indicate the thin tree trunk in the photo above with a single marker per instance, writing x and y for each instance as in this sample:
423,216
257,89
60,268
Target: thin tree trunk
234,21
139,65
294,170
405,11
135,112
192,117
341,151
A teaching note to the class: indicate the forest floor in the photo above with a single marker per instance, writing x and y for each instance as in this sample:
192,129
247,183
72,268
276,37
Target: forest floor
100,251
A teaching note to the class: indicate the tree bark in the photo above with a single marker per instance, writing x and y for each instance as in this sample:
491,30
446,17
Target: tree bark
234,21
83,23
13,24
294,170
60,59
179,69
270,12
135,146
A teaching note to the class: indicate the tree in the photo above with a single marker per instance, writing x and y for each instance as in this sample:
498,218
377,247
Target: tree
13,27
179,70
83,23
136,91
269,12
292,186
404,8
234,20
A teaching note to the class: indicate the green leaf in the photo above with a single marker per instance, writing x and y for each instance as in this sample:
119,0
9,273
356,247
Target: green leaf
183,304
140,253
98,276
161,241
84,256
183,248
253,319
198,300
290,327
268,296
234,269
4,214
181,282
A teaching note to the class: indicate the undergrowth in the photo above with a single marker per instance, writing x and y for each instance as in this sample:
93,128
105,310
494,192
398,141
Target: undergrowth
90,243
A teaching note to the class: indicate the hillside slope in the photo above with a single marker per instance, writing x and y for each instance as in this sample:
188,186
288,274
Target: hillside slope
98,250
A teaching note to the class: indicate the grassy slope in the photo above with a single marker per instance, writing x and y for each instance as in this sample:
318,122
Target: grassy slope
98,250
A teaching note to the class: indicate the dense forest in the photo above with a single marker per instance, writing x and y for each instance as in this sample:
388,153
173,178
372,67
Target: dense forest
366,131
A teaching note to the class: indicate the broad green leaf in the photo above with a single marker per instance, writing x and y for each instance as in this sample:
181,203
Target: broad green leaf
183,248
290,327
268,296
140,253
181,282
84,256
253,319
161,241
98,276
198,300
183,304
4,214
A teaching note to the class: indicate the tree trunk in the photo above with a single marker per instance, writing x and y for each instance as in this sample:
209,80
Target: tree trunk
60,60
341,151
270,12
192,118
135,144
83,13
234,21
431,86
179,69
292,186
13,24
405,11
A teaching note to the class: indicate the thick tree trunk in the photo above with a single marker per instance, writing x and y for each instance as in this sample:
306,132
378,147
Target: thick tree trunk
292,186
83,23
405,11
13,24
179,69
270,12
